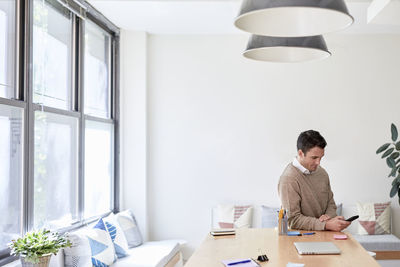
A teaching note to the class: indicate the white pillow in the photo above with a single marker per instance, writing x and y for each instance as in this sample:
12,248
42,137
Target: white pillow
79,254
128,224
117,236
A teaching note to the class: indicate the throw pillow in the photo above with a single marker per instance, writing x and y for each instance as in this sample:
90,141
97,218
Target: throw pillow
269,217
117,236
230,216
128,224
79,254
374,218
339,208
101,245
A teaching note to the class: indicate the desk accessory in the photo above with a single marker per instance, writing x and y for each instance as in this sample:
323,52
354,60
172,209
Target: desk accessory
238,262
292,264
219,232
247,262
262,258
293,233
310,233
340,237
256,262
282,222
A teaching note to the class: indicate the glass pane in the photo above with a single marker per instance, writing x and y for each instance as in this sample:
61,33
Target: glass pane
51,56
11,146
7,48
56,170
97,71
99,167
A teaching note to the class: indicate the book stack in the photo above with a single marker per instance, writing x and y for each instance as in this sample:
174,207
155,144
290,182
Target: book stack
223,231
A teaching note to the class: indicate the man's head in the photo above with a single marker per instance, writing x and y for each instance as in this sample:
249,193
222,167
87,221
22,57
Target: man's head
310,149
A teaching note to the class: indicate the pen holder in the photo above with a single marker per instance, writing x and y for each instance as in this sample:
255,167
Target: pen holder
283,223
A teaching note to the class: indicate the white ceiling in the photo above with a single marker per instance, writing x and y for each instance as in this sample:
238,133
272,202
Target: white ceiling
204,16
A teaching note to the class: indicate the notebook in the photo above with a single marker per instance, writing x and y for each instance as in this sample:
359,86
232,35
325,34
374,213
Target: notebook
316,248
223,231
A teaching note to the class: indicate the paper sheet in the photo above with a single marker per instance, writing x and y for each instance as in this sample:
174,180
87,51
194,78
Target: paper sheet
247,264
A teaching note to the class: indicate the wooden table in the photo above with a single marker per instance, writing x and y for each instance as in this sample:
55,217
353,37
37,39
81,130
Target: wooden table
248,243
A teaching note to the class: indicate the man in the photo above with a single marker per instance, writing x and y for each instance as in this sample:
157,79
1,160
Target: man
305,190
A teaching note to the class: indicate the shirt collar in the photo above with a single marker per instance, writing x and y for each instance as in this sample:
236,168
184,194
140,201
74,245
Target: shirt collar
297,164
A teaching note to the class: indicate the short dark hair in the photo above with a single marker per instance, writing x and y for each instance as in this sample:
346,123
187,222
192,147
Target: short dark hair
310,139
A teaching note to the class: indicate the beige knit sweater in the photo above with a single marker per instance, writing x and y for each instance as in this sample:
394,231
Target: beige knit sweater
306,197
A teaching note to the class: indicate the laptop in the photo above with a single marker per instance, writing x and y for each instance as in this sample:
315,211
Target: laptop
316,248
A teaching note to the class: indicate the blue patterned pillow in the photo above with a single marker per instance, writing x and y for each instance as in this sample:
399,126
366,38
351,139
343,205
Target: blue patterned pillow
117,236
103,253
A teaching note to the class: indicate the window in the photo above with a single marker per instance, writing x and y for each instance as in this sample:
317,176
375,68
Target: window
97,71
57,122
99,167
11,146
55,170
7,46
52,47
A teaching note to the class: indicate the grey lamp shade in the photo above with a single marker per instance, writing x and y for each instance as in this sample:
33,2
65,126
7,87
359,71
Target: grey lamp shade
293,18
286,49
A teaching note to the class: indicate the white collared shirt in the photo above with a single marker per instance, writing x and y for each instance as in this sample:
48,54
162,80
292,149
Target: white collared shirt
297,164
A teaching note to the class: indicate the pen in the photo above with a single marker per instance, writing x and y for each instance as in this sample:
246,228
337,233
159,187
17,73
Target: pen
312,233
238,262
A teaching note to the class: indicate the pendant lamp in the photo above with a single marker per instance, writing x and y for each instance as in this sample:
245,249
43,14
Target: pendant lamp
293,18
286,49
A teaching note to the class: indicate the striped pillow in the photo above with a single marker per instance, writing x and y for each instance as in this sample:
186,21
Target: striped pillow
230,216
374,218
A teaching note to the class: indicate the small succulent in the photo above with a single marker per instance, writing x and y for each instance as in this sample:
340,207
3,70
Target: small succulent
392,154
35,244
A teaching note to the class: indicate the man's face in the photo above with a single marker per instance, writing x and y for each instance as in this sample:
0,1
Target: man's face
311,159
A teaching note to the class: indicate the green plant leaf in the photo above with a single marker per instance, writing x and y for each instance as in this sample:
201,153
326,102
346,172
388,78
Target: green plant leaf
383,148
390,162
399,196
395,189
395,155
397,146
396,180
394,132
388,152
393,172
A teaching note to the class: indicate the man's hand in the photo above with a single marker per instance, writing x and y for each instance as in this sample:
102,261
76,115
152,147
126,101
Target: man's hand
336,224
324,217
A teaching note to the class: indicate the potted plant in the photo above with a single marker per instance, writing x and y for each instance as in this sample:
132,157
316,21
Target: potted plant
392,154
35,248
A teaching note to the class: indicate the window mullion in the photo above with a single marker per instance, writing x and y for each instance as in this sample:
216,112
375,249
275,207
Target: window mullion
115,117
80,44
28,185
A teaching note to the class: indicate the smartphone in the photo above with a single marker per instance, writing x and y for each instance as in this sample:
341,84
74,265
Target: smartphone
352,218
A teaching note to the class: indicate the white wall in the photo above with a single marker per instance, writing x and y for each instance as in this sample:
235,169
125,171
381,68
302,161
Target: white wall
134,126
221,128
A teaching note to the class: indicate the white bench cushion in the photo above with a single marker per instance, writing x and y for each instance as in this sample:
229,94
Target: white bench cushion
155,254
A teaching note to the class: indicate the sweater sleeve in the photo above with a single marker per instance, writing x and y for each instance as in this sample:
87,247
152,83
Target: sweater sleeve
331,209
289,193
